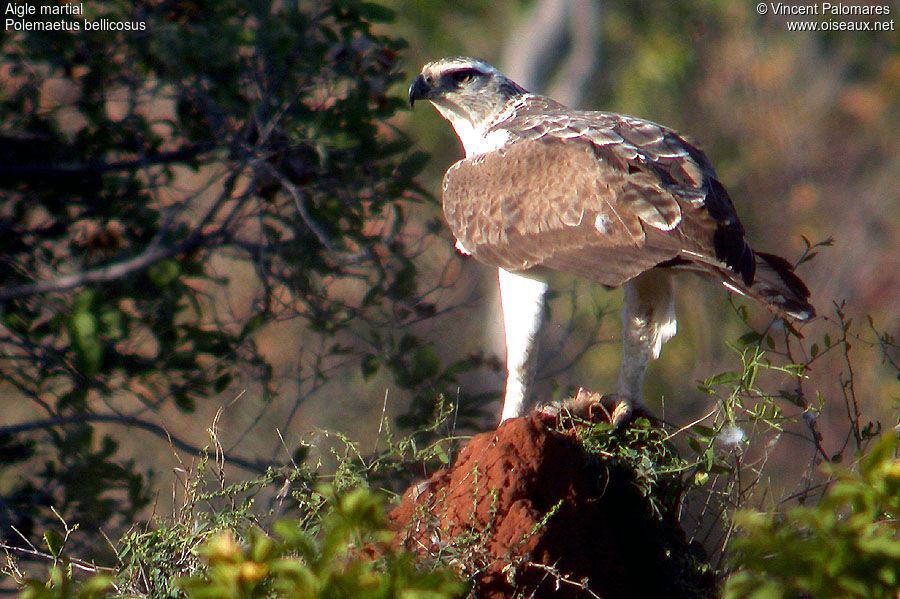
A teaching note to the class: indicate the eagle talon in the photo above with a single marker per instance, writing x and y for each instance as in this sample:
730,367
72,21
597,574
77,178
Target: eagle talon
593,407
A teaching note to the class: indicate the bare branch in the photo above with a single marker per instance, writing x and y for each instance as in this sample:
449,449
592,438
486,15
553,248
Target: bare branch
300,203
152,427
97,167
103,274
148,257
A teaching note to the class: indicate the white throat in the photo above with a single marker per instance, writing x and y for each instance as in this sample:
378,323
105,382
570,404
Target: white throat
475,139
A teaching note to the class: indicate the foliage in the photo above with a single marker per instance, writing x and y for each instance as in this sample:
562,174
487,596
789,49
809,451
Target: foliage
306,497
61,584
331,564
312,523
831,533
227,549
645,453
168,198
347,556
152,558
846,545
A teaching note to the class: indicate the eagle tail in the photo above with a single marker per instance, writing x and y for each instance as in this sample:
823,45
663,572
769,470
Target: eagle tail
777,287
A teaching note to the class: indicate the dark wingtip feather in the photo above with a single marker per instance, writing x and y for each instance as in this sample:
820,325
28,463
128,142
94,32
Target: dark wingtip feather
793,295
730,248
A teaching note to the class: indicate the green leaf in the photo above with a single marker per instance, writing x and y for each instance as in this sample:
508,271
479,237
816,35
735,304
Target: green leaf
83,326
369,365
164,272
253,324
723,378
404,284
703,431
749,338
85,342
376,13
426,364
96,587
83,301
111,323
221,383
54,543
694,444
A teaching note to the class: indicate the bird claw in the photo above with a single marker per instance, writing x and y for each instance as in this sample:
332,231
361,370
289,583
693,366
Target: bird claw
587,405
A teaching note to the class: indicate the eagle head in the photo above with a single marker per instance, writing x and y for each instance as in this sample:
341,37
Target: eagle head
468,92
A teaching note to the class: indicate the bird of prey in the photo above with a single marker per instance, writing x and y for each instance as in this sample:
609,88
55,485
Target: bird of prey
611,198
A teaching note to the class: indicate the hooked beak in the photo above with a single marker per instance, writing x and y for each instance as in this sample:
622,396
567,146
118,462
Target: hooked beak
418,90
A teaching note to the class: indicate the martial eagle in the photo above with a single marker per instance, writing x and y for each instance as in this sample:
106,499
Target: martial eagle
612,198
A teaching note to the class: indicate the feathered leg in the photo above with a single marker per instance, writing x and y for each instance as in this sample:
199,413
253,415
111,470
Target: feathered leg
522,301
648,321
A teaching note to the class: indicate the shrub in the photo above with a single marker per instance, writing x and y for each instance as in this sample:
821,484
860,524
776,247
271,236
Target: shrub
847,545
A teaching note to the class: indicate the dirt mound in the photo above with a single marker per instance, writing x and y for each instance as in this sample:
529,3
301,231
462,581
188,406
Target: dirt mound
526,510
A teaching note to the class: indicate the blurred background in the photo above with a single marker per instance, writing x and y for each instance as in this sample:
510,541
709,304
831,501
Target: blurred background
229,221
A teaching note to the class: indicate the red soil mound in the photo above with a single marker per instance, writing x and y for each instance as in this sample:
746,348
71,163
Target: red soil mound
525,510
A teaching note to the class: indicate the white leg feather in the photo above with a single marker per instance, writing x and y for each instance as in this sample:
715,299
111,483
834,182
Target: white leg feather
522,301
648,321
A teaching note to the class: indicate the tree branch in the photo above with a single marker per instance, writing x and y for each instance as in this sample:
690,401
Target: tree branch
97,167
149,256
152,427
103,274
300,204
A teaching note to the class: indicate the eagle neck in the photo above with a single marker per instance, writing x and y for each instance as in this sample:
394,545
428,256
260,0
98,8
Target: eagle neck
485,135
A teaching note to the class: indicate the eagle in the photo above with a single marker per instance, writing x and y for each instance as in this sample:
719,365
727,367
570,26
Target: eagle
615,199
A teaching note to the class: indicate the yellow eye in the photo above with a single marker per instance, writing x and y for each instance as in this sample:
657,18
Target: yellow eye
463,76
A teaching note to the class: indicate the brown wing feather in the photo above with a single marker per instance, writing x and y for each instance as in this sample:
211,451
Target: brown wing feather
655,157
606,197
570,206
